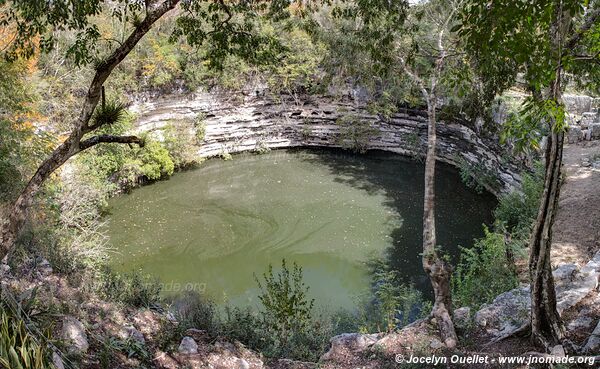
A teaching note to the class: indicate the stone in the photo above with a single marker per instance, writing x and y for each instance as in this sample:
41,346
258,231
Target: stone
581,322
558,351
44,268
436,344
578,104
462,317
507,313
574,134
188,346
135,335
242,364
4,270
592,345
73,332
57,361
349,342
573,285
594,129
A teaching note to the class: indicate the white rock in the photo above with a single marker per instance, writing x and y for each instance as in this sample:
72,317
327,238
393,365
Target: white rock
73,332
188,346
353,342
462,317
135,335
242,364
592,344
580,322
57,361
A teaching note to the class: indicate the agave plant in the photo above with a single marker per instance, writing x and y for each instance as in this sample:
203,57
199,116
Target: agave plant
19,349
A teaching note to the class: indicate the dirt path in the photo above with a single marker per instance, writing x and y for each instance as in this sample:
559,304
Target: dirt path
576,231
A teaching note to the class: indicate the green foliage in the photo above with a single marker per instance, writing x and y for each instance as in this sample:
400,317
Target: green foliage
179,141
525,128
477,176
109,113
129,347
19,347
483,272
355,133
200,126
133,289
287,309
390,304
517,210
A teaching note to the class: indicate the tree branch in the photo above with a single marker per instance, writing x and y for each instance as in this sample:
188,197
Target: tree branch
92,141
591,18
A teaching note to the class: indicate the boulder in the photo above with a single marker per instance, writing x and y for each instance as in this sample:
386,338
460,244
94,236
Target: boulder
73,332
349,342
574,134
134,334
592,345
594,129
508,312
188,346
462,317
242,364
57,361
581,322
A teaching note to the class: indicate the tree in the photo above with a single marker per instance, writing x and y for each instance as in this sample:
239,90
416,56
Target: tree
411,45
225,28
441,15
543,41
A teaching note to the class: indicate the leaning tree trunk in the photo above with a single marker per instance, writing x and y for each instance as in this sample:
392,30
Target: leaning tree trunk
75,143
10,229
438,270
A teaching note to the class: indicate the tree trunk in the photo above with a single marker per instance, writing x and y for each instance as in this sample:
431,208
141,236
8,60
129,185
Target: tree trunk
547,329
546,326
10,229
438,270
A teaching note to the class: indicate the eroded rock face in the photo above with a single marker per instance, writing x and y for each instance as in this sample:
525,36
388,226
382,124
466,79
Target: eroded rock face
257,122
73,332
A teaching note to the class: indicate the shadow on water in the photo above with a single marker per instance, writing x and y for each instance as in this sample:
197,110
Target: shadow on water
460,211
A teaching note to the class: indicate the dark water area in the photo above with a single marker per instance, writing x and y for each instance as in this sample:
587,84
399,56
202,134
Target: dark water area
214,228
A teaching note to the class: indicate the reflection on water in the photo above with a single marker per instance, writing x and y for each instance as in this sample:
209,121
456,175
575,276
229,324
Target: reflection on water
330,211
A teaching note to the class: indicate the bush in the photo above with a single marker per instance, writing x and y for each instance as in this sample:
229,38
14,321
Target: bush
133,289
517,210
390,304
355,133
483,272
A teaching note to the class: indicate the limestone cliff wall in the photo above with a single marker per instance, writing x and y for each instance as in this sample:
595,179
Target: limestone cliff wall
254,122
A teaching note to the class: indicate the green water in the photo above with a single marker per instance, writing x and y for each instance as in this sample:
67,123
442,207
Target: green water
213,228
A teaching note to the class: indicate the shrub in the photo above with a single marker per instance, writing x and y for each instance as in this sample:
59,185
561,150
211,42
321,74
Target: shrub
287,309
517,210
193,310
355,133
483,272
134,289
390,304
179,142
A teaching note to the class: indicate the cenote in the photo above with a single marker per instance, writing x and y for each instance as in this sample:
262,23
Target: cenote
214,228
